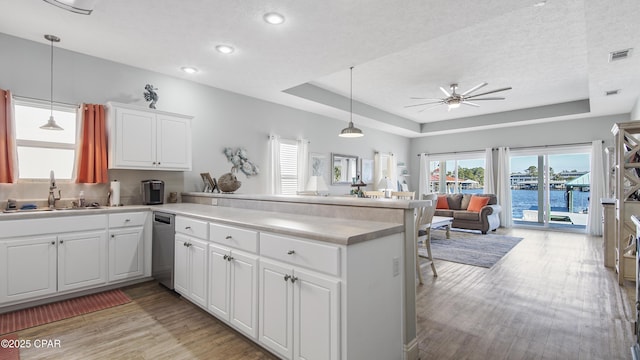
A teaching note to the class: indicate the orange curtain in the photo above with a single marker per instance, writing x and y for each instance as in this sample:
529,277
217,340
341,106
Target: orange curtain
92,161
7,140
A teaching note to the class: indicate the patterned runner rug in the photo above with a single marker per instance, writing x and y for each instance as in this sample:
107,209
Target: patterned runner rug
8,348
470,248
44,314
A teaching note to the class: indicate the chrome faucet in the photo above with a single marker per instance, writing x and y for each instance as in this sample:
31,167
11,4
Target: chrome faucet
52,187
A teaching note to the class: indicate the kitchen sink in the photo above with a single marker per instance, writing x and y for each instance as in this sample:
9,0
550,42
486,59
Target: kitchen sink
49,209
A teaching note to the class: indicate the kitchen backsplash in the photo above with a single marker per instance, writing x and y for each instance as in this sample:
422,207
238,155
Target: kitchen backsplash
130,194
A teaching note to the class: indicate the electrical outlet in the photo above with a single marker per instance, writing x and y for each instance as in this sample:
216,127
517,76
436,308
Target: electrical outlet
214,202
396,266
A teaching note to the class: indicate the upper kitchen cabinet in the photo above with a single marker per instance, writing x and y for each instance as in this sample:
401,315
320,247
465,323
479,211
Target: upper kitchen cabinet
147,139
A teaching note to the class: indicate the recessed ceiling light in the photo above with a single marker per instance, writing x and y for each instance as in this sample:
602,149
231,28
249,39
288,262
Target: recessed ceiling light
225,49
189,69
540,3
273,18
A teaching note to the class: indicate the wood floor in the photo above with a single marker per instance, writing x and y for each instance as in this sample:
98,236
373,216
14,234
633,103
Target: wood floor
549,298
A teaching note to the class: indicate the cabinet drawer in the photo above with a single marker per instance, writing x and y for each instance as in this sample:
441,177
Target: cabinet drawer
239,238
312,255
127,219
192,227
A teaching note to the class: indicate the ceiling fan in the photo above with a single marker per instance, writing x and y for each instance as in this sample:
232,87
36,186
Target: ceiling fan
453,99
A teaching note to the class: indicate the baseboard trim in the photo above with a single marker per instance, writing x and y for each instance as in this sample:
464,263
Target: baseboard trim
411,351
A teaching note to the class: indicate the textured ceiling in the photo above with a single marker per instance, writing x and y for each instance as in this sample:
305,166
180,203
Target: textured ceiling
554,56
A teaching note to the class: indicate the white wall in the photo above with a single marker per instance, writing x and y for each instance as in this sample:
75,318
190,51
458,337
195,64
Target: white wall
553,133
221,118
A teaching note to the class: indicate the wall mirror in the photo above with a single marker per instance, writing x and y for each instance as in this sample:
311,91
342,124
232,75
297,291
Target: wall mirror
344,168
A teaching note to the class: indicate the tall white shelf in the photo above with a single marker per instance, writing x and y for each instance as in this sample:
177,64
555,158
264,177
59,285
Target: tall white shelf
626,184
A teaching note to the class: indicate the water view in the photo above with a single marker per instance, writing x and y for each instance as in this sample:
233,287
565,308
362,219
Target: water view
528,199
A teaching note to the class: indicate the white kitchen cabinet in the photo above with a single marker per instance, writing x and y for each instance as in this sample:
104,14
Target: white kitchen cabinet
299,312
299,301
126,245
190,268
148,139
82,260
46,256
29,268
233,288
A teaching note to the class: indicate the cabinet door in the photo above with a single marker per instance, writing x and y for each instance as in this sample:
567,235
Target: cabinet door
135,139
276,309
316,316
82,259
198,272
181,265
126,253
29,268
244,293
173,142
219,277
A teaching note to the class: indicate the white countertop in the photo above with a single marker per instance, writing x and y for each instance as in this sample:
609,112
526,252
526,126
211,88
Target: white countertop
338,231
334,230
325,200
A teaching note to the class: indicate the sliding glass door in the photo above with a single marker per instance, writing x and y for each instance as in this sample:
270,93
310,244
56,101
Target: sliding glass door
550,187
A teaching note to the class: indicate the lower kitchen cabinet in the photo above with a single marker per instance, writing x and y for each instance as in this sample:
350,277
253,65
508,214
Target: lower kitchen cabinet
29,268
299,312
190,268
82,260
233,288
36,266
126,253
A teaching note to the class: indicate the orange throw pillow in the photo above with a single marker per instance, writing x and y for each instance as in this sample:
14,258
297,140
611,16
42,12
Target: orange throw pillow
442,202
477,203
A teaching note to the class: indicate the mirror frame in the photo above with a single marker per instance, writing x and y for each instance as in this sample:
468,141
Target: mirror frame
333,168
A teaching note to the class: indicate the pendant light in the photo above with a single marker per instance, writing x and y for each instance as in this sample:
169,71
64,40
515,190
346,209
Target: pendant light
51,124
351,131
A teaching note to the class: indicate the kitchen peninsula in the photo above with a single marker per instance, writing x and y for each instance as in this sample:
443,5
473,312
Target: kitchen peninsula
303,276
370,222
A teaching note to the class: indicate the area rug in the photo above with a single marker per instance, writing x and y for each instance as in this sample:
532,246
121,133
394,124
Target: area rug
44,314
470,248
8,348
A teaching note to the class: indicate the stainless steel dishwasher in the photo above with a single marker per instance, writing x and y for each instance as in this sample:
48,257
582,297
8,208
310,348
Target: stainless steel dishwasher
163,248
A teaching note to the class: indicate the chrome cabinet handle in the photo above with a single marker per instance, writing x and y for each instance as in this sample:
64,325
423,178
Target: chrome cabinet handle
225,257
127,220
112,236
53,243
228,237
291,252
287,277
61,241
293,279
187,227
229,258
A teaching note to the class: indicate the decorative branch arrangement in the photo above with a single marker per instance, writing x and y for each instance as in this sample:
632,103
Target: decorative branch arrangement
240,161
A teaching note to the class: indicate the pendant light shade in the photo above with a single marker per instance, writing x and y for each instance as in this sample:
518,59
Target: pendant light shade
51,123
351,131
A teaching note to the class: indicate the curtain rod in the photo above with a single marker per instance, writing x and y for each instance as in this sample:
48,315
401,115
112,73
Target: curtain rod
519,147
20,97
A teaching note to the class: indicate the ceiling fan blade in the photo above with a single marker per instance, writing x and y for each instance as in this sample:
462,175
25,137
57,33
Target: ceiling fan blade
490,98
470,103
427,103
420,98
474,88
445,91
430,107
489,92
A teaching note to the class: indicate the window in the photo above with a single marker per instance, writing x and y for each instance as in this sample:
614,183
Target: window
40,151
288,167
462,174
